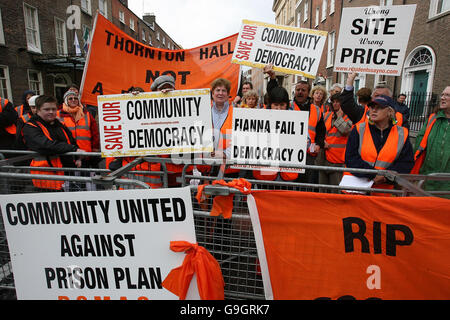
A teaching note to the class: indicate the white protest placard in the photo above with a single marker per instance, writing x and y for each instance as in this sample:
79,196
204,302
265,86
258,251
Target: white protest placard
374,39
265,137
155,123
290,50
97,245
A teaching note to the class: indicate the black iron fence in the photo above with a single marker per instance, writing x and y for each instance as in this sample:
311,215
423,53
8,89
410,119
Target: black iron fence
420,105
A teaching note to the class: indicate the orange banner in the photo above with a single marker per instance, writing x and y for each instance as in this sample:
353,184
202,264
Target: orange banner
116,62
350,246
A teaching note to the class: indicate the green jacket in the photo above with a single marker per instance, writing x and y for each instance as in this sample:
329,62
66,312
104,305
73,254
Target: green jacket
437,152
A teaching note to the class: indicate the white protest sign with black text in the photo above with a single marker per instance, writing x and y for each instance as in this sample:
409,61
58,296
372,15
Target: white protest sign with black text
290,50
155,123
269,138
374,39
97,245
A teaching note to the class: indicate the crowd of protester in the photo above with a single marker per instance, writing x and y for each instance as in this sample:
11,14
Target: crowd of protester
369,132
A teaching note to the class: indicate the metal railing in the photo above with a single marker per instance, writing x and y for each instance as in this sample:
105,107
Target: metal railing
230,241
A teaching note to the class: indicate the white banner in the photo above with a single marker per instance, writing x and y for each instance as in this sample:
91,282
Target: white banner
269,138
155,123
291,50
97,245
374,39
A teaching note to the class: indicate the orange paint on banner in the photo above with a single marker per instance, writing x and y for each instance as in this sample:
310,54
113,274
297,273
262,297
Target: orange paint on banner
116,62
332,246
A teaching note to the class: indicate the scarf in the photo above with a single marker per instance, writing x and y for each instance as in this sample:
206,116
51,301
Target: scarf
77,112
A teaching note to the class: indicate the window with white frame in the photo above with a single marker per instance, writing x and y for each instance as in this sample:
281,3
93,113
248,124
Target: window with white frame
305,11
298,21
143,35
157,35
386,2
150,40
316,24
332,6
60,34
103,8
2,35
121,16
324,9
163,41
86,6
132,24
331,49
35,81
32,28
438,7
5,84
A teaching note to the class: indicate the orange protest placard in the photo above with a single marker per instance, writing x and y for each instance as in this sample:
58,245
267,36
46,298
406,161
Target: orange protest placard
116,62
352,246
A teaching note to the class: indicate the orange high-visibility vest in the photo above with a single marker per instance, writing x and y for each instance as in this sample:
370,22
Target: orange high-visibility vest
153,181
336,141
419,156
43,161
387,155
314,118
81,130
272,175
11,129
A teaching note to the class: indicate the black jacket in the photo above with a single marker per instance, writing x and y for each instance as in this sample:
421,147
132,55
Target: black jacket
8,116
403,164
36,140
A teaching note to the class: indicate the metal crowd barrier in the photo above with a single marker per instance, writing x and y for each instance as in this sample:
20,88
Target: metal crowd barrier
230,241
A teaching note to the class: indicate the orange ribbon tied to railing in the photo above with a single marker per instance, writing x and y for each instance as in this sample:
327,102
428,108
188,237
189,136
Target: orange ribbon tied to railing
200,262
223,205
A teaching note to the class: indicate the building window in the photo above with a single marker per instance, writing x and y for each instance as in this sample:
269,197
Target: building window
2,36
5,85
163,41
331,49
421,57
157,35
132,24
143,35
324,9
150,40
332,6
121,16
86,6
35,81
60,32
103,8
305,12
316,24
438,7
32,28
299,19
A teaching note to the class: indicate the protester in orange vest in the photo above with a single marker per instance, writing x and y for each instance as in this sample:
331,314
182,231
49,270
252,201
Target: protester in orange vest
433,145
80,122
358,113
318,96
8,119
316,126
153,181
45,134
24,109
279,100
21,122
338,127
222,121
379,144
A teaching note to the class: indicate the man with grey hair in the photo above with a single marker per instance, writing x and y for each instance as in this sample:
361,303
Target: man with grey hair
335,88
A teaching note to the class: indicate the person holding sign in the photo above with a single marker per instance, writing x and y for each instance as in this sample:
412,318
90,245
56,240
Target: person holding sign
279,100
379,144
316,126
45,134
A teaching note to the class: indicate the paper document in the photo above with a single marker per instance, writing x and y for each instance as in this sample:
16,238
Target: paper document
352,181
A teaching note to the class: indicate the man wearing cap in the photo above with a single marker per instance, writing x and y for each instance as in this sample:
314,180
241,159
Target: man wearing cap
358,113
380,144
163,83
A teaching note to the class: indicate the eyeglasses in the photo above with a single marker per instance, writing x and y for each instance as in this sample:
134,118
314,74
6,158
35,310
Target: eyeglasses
70,99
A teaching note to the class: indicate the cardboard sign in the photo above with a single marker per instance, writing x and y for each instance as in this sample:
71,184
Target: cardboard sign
155,123
331,246
97,245
374,39
116,61
291,50
273,138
